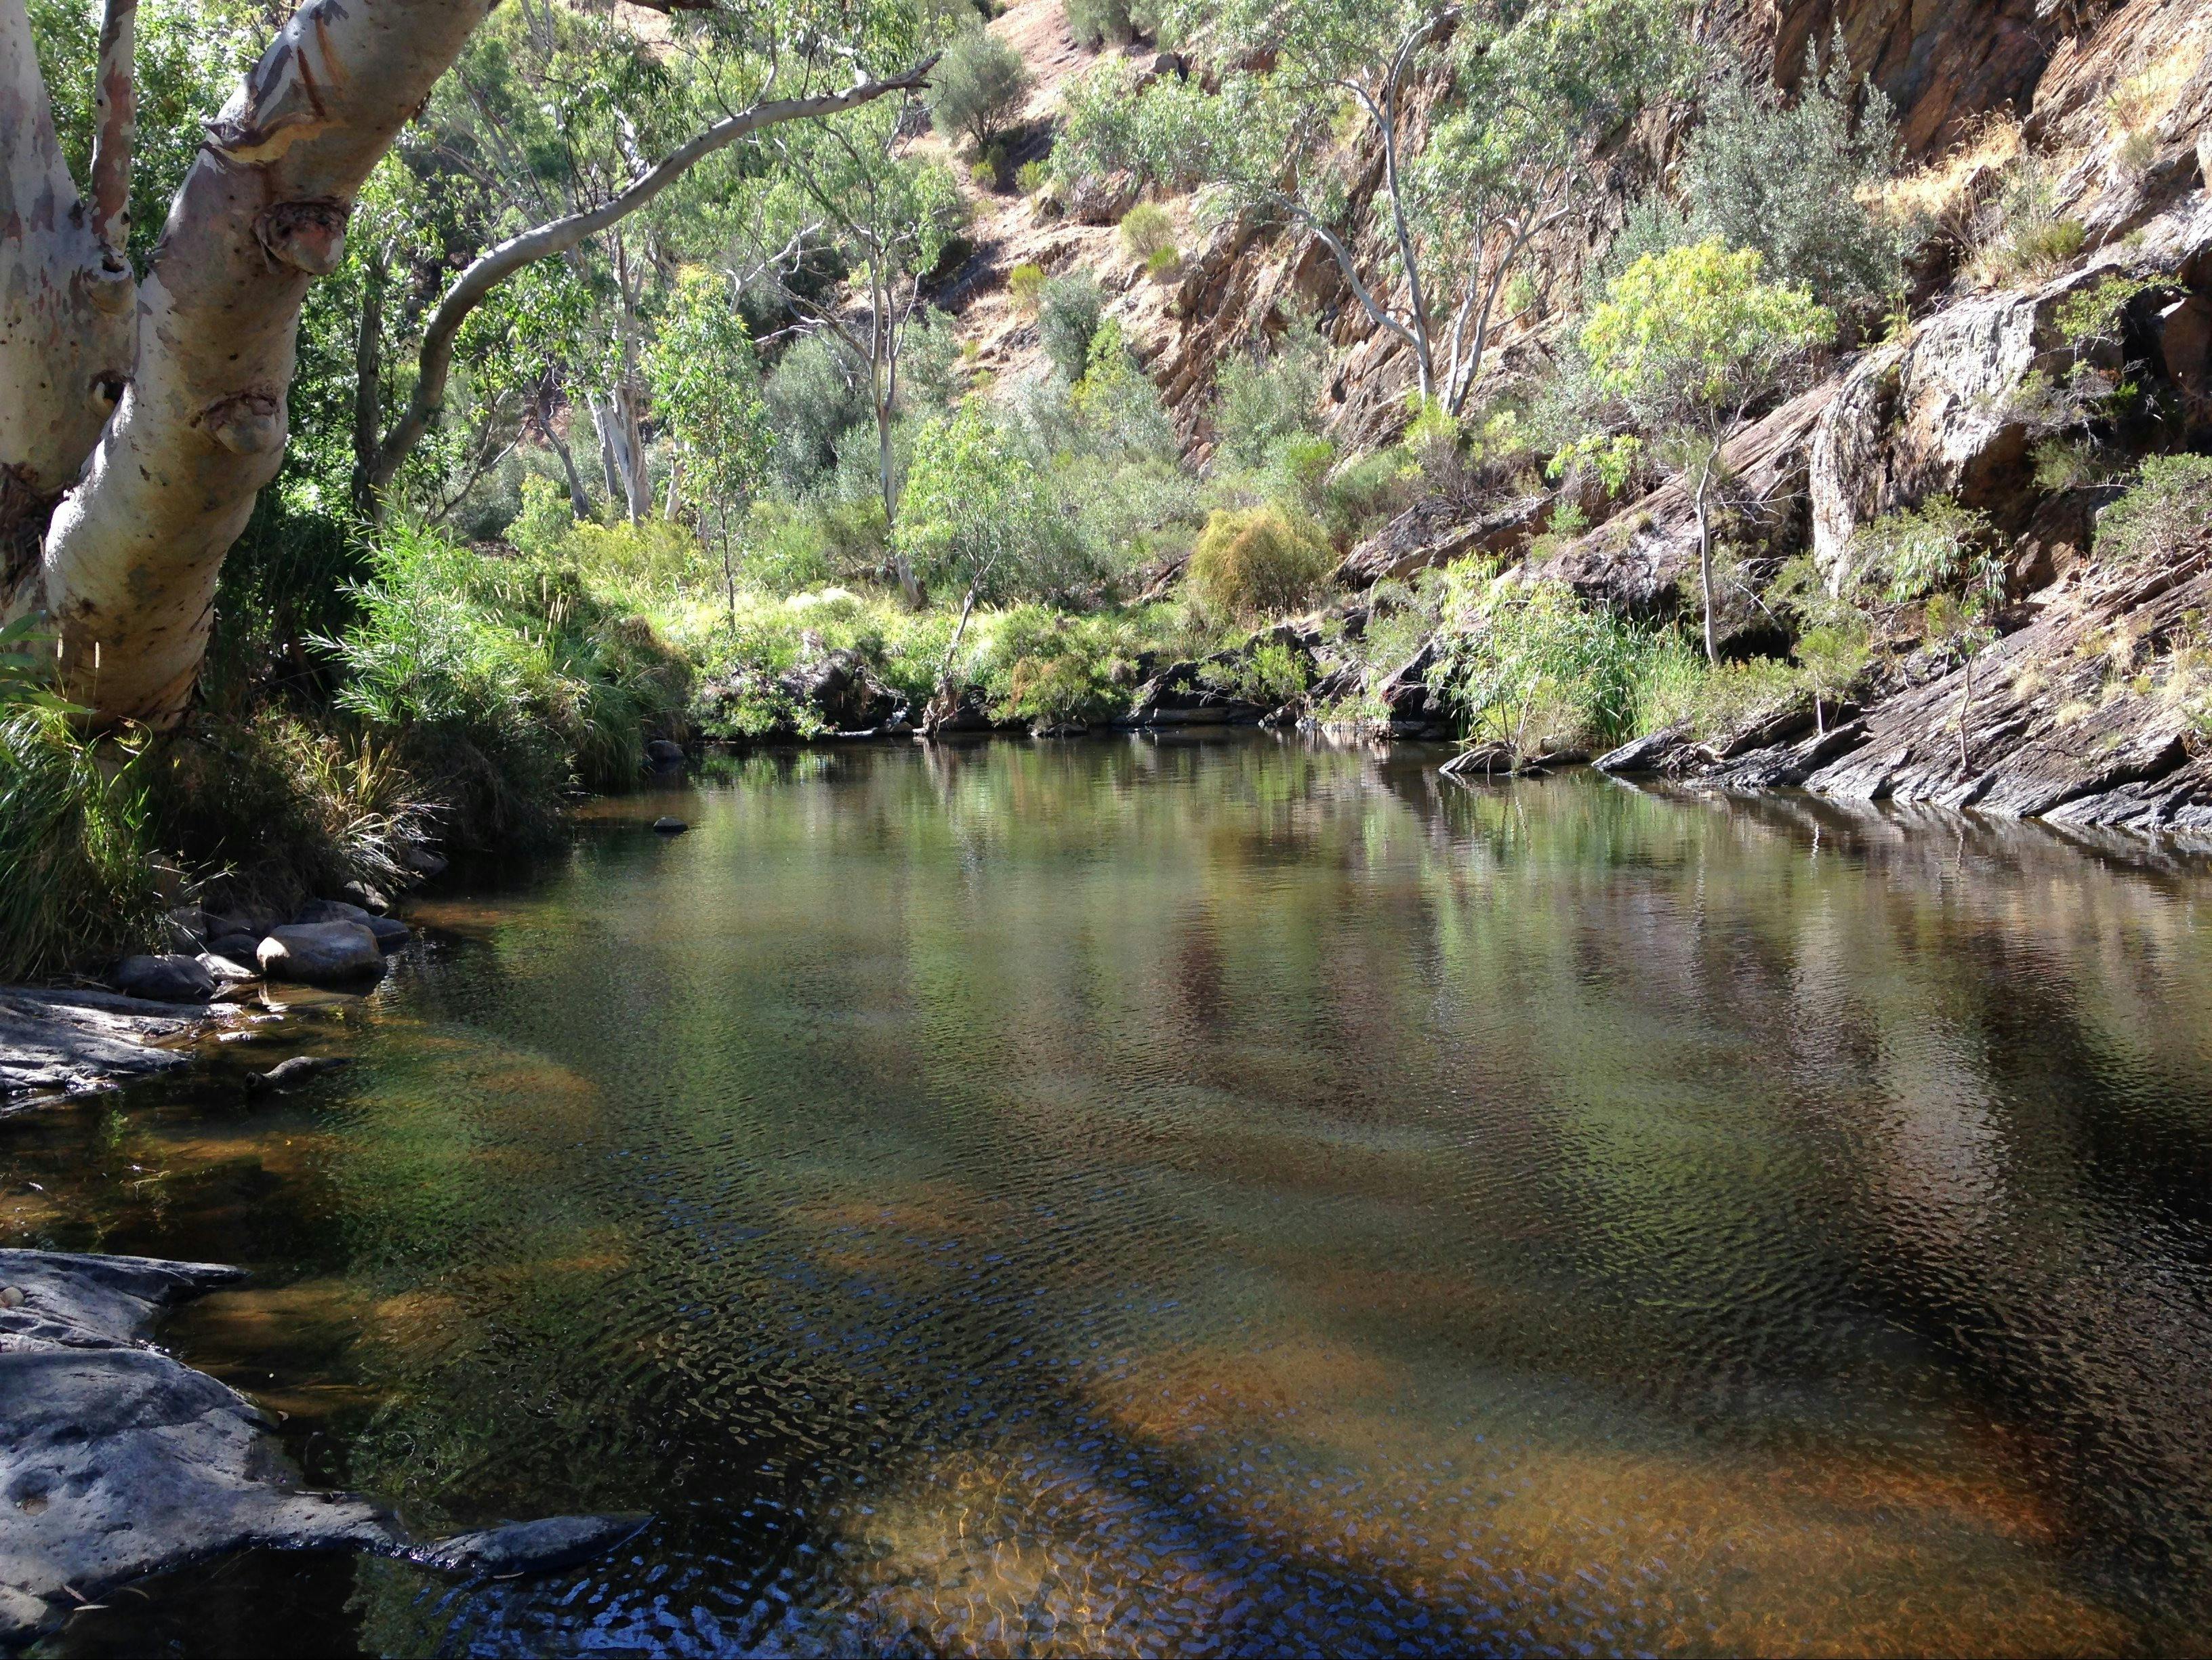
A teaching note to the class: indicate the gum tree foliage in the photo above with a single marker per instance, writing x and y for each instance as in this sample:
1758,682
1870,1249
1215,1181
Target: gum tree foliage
1685,342
706,388
850,188
1788,177
129,486
1504,158
976,516
1068,310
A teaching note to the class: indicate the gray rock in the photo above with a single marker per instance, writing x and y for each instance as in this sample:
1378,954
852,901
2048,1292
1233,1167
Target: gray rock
227,970
1649,753
663,754
391,934
169,978
374,900
422,862
238,947
75,1040
121,1461
668,825
322,954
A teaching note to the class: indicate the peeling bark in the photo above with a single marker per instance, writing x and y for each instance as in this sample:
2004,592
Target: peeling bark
131,560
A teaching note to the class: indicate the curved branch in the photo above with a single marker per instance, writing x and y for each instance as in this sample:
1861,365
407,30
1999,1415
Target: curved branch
496,264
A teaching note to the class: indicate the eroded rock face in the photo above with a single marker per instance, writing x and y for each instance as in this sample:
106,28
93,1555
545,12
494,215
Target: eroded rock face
75,1040
1436,530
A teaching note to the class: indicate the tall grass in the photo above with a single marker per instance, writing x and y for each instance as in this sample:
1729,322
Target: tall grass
77,844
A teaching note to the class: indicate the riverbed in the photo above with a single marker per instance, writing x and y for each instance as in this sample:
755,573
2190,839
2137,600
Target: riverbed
1126,1197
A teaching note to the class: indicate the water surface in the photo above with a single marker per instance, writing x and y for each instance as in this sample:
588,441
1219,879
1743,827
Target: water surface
1235,1198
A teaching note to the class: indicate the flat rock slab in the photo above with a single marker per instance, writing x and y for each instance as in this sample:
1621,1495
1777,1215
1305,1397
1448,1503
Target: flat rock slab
73,1041
118,1461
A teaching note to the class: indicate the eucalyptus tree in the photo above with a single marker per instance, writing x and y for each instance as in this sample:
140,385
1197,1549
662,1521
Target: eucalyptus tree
140,418
1487,117
851,188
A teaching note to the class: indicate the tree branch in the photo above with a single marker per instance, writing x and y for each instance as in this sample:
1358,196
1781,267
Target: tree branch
495,266
117,108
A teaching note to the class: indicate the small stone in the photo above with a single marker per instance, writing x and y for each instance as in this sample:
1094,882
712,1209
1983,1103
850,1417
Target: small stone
669,826
292,1071
11,1296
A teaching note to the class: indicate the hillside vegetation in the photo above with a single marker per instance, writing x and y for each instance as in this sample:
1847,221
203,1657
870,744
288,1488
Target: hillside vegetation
1547,379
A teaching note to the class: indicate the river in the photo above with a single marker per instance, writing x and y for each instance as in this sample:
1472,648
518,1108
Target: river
1239,1197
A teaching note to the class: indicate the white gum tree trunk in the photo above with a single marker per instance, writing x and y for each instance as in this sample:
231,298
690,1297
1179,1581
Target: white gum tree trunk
160,483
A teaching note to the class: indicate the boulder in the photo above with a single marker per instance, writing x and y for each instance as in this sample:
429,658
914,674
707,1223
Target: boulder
369,897
663,755
422,862
1102,198
392,935
668,825
75,1040
171,977
123,1462
228,970
238,947
322,954
842,692
1179,695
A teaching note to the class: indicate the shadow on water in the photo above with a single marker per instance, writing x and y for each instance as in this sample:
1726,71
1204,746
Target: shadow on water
1234,1197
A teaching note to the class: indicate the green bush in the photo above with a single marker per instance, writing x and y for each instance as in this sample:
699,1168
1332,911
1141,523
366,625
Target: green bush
1032,176
1261,562
1164,263
1095,22
1525,664
502,683
1068,310
76,842
1265,394
1936,547
1147,229
819,392
277,811
2167,512
977,87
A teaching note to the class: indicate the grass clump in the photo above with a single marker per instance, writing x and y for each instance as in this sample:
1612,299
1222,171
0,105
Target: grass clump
1025,285
77,841
1147,229
1259,561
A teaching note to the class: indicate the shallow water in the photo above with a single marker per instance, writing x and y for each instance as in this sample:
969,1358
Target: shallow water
1130,1198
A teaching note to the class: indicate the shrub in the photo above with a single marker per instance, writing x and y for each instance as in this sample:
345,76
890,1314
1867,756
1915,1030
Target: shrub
2022,233
1147,228
2164,515
76,842
1937,547
1025,285
985,173
1263,395
501,683
977,87
1095,22
1261,562
818,390
1525,664
1164,263
1068,310
1032,176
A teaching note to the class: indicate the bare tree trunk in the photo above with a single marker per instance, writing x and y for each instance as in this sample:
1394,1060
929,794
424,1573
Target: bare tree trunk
1705,560
369,384
130,561
580,503
675,497
603,423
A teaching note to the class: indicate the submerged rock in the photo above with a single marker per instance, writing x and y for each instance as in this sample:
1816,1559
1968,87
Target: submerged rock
322,954
558,1541
667,824
293,1071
